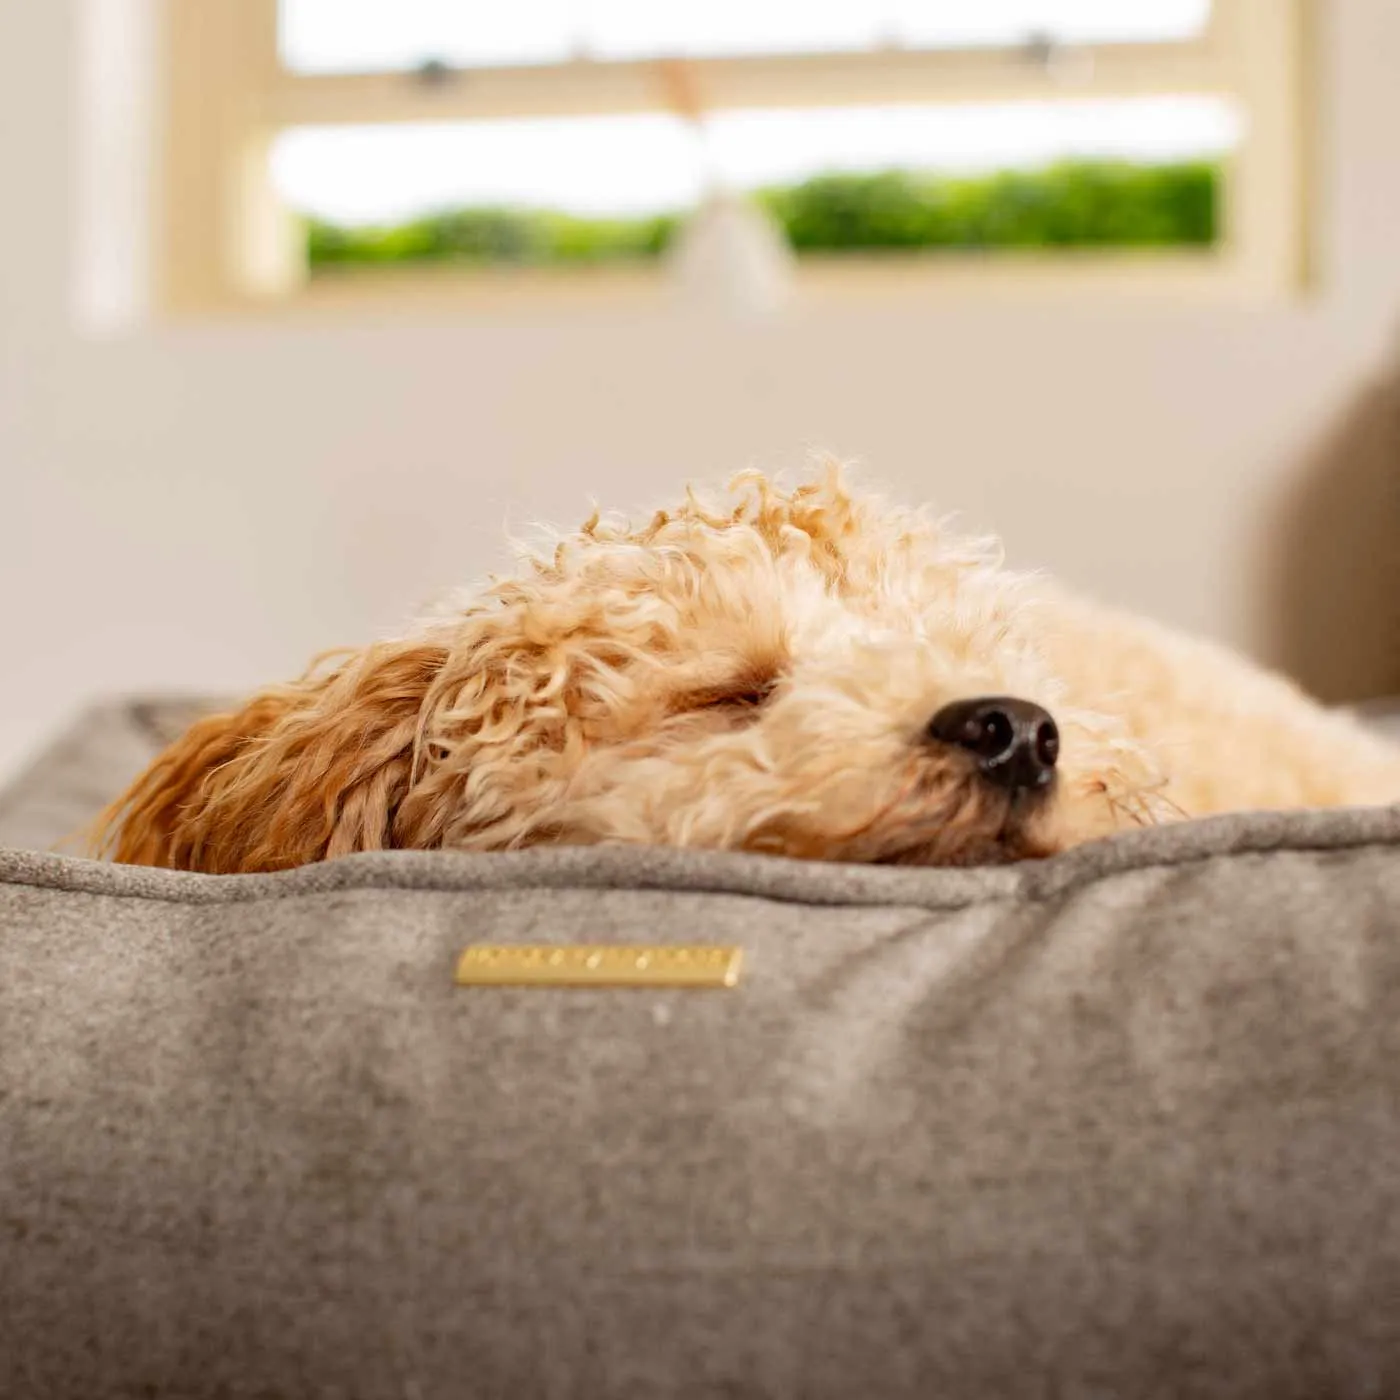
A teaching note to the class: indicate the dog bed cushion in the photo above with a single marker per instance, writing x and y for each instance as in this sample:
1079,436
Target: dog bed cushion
1122,1123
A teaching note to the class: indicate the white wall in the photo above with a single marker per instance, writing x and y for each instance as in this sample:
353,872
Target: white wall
205,506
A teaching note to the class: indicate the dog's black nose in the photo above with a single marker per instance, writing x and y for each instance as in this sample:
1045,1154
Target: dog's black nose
1015,743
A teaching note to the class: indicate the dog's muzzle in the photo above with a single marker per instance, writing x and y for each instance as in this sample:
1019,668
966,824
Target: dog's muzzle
1014,742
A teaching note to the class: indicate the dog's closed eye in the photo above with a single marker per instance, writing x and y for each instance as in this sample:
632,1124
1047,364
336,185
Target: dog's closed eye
744,697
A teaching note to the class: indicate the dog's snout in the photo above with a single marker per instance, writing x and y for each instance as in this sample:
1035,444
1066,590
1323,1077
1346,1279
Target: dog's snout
1015,742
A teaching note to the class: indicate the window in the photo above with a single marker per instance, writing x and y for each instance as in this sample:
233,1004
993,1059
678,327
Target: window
324,149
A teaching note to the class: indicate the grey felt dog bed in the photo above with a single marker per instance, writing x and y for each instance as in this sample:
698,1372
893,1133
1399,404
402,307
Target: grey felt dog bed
1124,1123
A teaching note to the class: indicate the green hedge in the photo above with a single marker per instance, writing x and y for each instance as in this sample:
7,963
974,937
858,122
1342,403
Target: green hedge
490,236
1072,205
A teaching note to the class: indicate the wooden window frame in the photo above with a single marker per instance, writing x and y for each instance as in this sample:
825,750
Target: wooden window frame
226,243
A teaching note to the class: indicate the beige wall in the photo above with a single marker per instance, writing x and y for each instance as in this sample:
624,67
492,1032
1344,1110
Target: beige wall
205,506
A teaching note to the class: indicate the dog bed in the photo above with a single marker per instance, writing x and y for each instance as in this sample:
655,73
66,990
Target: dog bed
1123,1123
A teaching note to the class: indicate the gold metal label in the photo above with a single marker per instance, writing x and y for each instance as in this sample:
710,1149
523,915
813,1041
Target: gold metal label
599,965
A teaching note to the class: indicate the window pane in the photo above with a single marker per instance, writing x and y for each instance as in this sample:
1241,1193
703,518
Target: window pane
1004,22
593,165
349,35
656,163
1130,173
750,149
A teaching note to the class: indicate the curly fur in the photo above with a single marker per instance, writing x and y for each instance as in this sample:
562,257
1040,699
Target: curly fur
756,675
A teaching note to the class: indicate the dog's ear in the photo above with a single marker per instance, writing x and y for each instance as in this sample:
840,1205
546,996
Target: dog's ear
300,773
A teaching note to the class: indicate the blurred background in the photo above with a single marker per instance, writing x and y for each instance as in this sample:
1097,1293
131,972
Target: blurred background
304,303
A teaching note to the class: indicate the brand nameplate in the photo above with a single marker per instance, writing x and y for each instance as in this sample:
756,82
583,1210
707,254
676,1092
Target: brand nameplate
599,965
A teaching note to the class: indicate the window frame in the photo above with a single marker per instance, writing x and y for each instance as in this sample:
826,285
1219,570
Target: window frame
227,244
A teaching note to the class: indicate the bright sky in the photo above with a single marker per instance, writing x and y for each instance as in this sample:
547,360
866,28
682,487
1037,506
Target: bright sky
336,35
639,164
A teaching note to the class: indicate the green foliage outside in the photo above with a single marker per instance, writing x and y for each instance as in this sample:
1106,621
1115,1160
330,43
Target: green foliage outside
1072,205
491,236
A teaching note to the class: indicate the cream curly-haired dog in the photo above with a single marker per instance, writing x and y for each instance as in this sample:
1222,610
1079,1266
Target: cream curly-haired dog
806,673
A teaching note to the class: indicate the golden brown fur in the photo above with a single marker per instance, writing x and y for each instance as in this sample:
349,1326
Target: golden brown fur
756,675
